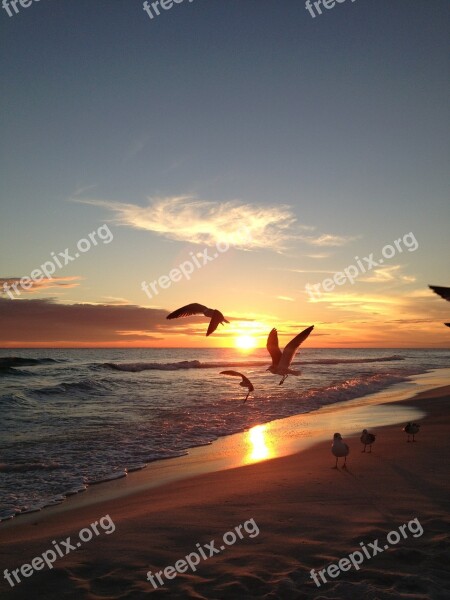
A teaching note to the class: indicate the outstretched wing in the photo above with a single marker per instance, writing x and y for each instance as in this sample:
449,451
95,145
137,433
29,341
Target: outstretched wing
444,292
273,347
245,380
233,373
291,348
216,320
187,311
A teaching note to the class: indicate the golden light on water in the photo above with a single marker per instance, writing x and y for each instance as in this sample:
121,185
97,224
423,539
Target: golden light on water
258,446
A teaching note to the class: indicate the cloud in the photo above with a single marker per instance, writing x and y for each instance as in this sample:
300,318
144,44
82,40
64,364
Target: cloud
187,219
44,321
388,274
328,239
287,298
318,256
303,270
6,284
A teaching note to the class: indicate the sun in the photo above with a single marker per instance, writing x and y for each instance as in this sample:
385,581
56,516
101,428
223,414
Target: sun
245,342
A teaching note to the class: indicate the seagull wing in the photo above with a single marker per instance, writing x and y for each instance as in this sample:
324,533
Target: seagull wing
444,292
273,347
247,381
216,319
188,310
291,348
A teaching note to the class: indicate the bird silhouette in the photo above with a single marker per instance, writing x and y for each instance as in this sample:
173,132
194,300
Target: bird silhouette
411,429
443,292
198,309
244,383
367,439
281,360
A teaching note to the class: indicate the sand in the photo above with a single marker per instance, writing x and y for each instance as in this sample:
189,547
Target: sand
308,516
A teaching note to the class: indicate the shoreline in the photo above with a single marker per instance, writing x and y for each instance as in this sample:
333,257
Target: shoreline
274,439
309,515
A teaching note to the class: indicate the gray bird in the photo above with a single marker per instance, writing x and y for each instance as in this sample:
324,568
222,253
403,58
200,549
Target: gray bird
244,383
367,439
281,360
340,449
198,309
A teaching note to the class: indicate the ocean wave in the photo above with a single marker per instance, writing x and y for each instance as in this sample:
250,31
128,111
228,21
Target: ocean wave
21,467
84,386
4,372
6,362
355,387
196,364
15,398
336,361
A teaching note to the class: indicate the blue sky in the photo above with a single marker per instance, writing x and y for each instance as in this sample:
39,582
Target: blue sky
337,125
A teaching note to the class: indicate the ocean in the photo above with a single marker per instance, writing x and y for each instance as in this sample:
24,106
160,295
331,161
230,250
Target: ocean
73,418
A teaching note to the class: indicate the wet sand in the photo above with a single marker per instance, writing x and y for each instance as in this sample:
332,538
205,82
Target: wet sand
308,516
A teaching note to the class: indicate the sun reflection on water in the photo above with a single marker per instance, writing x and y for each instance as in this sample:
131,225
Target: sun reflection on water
258,446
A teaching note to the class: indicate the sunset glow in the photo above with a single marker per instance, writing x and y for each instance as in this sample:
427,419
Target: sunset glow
245,342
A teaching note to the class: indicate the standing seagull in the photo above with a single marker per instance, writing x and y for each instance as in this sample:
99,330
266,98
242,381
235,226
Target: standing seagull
244,383
367,439
198,309
411,429
282,360
443,292
339,449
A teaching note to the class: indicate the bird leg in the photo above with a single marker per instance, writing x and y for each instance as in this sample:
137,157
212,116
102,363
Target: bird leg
245,399
344,466
364,448
282,381
335,466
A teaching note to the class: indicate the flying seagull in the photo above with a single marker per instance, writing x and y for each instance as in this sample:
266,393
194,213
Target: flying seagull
411,429
367,439
443,292
339,449
198,309
282,360
244,383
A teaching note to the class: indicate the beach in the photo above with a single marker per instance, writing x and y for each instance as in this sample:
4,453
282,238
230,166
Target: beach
296,514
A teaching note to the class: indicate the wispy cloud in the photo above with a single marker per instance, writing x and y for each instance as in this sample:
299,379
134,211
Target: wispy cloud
189,219
303,270
37,286
388,274
328,239
185,218
318,256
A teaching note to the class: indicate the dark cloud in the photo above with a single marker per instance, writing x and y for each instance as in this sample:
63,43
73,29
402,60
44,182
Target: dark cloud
46,321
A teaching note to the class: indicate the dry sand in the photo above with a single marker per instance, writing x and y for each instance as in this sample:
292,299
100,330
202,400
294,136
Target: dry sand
308,516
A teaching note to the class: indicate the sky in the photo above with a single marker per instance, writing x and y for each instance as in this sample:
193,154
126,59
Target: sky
234,153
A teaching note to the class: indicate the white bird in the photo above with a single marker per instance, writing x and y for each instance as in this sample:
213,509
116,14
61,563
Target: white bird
443,292
339,449
282,360
411,429
198,309
244,383
367,439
